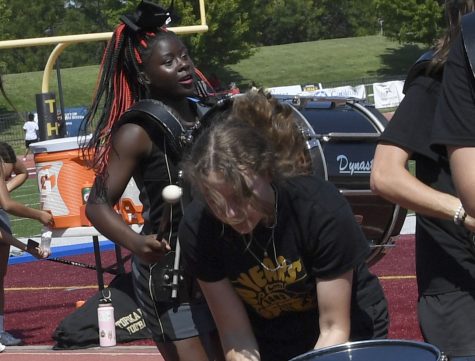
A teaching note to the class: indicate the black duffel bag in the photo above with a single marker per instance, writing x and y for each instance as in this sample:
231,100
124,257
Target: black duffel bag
80,328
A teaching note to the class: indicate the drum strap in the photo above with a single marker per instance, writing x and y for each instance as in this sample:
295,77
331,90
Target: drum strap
159,121
468,36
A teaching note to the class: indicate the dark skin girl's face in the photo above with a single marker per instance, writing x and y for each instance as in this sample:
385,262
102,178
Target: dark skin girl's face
169,69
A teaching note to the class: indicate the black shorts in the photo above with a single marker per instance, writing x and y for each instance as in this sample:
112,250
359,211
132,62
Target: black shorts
30,141
166,320
448,322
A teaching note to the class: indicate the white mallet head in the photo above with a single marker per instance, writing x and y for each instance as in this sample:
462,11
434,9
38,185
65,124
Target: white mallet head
172,193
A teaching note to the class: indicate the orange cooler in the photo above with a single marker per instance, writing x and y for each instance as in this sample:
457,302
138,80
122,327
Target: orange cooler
63,180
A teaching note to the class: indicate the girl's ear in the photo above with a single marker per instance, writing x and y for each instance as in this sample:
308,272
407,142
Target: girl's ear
143,78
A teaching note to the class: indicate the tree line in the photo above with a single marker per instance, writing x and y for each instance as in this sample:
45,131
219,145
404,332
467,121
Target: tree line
236,27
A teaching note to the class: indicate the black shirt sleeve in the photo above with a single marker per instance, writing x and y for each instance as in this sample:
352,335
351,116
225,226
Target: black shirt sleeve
455,115
335,243
410,126
198,234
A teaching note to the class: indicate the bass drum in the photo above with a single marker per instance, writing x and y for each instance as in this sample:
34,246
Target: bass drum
375,350
341,136
347,131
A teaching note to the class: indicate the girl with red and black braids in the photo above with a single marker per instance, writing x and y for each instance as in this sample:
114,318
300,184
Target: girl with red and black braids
144,61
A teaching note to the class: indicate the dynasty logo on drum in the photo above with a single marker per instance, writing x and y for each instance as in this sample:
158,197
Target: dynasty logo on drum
271,292
346,166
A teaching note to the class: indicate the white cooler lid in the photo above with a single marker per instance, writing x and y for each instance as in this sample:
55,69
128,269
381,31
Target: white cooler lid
59,144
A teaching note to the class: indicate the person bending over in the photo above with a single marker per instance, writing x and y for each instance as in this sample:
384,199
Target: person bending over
277,252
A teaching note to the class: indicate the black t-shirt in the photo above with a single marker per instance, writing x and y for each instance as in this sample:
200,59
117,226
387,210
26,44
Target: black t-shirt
455,117
316,235
444,255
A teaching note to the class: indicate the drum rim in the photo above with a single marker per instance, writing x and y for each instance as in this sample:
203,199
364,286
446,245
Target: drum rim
348,346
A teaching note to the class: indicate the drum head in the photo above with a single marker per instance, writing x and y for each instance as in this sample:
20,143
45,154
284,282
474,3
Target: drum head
375,350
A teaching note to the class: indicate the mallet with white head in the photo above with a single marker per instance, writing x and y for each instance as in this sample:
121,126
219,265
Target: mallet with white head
172,195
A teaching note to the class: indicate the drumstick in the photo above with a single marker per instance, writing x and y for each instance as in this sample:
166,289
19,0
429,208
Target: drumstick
71,263
164,221
172,194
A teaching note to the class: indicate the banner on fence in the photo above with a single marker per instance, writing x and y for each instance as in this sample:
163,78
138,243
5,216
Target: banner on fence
388,94
358,91
286,90
74,117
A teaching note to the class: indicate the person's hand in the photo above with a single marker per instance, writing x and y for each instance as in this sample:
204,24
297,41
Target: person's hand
36,251
39,252
46,218
469,223
150,249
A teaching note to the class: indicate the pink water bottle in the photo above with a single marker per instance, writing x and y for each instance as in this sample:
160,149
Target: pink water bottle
105,316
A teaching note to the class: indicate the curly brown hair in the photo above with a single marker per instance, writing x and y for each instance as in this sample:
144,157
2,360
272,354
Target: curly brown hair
258,134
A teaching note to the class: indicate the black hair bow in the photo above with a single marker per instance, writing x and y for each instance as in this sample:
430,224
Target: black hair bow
149,16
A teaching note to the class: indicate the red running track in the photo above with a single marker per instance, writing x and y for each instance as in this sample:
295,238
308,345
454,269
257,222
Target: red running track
118,353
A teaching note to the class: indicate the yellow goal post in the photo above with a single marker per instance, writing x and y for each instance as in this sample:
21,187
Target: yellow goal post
63,41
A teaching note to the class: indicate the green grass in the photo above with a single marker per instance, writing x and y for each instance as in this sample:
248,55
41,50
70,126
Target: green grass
77,83
327,61
27,194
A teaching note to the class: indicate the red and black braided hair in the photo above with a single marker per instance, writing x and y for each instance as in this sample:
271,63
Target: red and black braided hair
118,85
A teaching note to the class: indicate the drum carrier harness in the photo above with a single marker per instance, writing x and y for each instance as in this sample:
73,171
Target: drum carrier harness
160,122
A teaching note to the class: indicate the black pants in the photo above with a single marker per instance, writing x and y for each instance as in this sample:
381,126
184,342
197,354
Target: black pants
370,323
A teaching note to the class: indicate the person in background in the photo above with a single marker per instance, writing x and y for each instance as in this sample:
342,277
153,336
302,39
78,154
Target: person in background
61,124
454,128
31,132
13,174
277,252
233,89
143,60
445,255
